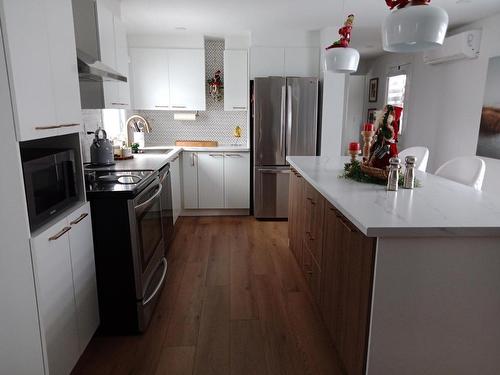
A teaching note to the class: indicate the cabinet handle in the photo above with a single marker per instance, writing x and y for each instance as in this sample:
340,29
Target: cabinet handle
161,106
68,125
216,155
80,218
47,127
347,226
178,106
239,107
192,159
60,234
119,103
175,159
234,155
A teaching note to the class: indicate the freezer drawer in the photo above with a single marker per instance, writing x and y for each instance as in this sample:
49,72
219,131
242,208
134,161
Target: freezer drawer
271,192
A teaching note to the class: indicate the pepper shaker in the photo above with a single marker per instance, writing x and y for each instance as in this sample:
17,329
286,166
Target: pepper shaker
393,178
409,177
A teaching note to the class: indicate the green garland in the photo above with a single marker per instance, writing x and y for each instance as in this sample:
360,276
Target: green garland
352,171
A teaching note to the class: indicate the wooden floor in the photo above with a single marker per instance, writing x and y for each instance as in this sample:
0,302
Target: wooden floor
234,303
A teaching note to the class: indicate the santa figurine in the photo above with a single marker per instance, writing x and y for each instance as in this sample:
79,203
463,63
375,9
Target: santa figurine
345,34
386,137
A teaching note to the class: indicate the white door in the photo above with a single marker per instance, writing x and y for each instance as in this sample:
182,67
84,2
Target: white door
64,65
84,277
235,80
187,79
29,65
107,44
149,78
122,63
190,179
211,179
175,176
56,298
237,180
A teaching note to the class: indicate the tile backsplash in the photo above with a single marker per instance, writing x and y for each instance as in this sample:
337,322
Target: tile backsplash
212,124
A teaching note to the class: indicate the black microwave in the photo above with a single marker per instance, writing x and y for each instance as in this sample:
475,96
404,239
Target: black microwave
50,183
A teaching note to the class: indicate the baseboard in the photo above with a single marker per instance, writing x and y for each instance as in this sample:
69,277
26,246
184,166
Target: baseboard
217,212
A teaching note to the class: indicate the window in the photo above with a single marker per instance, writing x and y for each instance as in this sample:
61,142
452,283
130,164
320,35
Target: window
397,90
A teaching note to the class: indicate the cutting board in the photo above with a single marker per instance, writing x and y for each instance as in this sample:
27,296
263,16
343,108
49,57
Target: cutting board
197,143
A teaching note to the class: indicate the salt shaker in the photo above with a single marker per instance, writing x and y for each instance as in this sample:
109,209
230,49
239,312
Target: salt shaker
393,178
409,177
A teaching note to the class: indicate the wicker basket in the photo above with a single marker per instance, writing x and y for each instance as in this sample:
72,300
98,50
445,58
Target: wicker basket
381,174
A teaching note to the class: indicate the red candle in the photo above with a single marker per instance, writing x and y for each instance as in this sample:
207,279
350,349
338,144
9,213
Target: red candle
354,146
368,127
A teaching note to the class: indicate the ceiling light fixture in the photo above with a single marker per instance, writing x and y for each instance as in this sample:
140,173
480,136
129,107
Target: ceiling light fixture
413,25
339,57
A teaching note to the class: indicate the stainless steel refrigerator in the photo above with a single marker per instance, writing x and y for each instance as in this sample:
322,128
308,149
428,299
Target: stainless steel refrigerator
285,123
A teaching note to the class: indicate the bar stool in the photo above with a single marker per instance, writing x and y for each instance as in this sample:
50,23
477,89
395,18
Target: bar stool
422,154
467,170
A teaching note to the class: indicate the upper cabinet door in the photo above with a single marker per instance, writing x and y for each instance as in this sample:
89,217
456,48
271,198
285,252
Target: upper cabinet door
29,63
122,63
235,80
187,79
150,78
107,43
64,65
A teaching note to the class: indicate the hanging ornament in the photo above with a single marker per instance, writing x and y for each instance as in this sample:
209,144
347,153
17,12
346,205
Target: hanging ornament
216,86
413,25
339,57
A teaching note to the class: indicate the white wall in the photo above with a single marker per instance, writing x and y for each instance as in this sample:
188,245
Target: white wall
166,41
355,115
445,101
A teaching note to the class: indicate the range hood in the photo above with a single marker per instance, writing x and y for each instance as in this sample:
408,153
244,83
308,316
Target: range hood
91,69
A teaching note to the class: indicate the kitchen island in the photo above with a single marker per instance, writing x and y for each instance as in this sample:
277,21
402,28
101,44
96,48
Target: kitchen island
407,282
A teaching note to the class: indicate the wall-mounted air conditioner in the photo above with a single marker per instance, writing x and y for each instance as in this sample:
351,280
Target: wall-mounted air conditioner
457,47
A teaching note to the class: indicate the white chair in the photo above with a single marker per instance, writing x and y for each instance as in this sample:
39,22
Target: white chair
467,170
421,153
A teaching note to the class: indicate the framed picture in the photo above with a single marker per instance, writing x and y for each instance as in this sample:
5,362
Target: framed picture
371,115
373,90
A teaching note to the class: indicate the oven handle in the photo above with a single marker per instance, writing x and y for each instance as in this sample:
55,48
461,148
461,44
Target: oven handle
164,261
139,206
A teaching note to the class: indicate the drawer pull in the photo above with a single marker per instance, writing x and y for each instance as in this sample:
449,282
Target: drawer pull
119,103
60,234
80,218
178,106
47,127
216,155
161,106
239,107
234,155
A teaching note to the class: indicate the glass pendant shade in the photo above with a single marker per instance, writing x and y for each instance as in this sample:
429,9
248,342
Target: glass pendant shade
341,60
414,28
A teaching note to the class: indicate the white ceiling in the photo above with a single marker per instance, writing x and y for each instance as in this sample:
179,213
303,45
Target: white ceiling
218,18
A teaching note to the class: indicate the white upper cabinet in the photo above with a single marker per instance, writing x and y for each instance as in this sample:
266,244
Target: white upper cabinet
42,66
237,180
282,62
122,62
235,80
211,179
149,78
187,79
302,62
171,79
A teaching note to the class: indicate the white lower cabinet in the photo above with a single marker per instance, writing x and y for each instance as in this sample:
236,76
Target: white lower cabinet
216,180
211,180
190,179
237,180
175,176
63,262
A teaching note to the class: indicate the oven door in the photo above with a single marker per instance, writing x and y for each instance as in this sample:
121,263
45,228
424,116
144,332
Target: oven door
149,249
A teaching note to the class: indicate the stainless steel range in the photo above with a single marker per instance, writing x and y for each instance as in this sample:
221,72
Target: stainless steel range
129,245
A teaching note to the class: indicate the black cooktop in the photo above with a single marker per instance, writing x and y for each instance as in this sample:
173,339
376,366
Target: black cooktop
116,184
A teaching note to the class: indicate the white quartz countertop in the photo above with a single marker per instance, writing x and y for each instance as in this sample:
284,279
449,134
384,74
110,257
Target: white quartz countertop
439,208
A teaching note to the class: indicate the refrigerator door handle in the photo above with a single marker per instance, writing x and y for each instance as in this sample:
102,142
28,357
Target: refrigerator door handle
283,119
289,114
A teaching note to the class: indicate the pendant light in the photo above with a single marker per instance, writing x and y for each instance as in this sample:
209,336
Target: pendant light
413,25
339,57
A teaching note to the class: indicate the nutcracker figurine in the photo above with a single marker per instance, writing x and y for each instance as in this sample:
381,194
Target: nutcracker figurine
385,146
345,34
